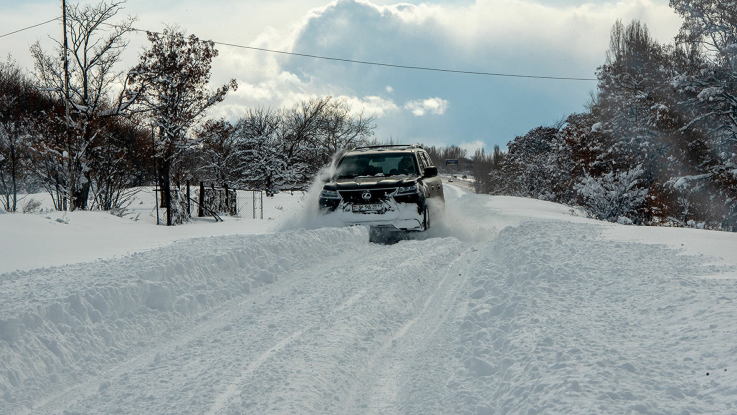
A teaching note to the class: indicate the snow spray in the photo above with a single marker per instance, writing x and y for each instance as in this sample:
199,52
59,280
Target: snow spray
310,217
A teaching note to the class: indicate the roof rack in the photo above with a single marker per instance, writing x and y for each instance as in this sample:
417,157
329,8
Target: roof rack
387,146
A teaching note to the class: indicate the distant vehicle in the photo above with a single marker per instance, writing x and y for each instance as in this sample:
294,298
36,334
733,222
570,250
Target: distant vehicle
450,179
387,187
464,177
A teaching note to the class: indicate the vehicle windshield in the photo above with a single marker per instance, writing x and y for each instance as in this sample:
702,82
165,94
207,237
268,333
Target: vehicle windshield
371,165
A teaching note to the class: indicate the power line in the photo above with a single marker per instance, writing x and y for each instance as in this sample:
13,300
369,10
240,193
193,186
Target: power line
384,64
391,65
30,27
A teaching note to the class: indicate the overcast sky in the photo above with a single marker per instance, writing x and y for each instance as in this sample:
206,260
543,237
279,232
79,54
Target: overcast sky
553,38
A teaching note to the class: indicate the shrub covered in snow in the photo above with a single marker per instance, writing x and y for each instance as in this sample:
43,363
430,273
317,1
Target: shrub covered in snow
613,195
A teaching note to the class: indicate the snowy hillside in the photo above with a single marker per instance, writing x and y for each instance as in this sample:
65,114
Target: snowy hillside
507,305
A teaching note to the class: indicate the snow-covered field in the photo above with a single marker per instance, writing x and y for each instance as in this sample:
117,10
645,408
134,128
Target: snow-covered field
506,306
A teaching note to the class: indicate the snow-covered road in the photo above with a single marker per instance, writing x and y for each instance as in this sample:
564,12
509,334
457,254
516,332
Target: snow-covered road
307,343
508,306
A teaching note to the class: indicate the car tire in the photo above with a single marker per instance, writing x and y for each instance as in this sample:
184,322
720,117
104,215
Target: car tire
426,218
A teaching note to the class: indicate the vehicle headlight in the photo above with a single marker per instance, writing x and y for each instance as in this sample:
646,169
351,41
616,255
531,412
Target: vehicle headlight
406,190
329,194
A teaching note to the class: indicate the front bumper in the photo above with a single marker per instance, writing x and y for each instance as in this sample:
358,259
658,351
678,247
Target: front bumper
406,214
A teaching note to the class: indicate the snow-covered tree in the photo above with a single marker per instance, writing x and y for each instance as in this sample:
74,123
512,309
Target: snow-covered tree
171,81
640,116
265,163
222,152
614,195
285,148
630,98
19,101
711,26
96,93
119,162
527,164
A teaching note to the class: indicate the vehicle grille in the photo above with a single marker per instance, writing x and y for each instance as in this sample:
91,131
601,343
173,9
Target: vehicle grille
356,196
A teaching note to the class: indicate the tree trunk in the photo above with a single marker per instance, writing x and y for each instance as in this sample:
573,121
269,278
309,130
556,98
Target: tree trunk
167,198
227,204
6,192
84,192
165,182
70,185
81,195
200,210
15,188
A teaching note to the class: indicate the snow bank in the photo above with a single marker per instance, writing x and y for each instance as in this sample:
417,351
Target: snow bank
54,238
58,325
561,320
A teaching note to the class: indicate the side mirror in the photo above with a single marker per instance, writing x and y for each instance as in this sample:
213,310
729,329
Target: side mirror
431,172
324,177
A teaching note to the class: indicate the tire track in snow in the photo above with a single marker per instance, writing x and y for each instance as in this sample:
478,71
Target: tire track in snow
232,389
314,374
78,392
384,389
82,396
326,319
71,324
457,190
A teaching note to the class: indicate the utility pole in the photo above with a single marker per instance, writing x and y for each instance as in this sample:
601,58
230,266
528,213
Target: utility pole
66,105
156,171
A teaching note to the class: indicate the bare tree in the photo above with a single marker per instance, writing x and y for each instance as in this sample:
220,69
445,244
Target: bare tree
440,154
284,149
222,152
340,129
96,90
171,80
15,91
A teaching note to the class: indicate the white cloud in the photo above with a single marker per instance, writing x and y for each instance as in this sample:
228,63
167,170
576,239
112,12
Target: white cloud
528,37
472,146
512,36
421,107
479,35
371,105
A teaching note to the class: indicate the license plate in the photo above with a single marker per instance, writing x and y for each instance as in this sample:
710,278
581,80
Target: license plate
367,208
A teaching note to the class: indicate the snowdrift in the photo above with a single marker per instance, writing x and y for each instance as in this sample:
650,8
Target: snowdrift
562,321
58,325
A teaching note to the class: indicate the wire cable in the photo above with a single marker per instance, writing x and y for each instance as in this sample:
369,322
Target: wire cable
30,27
390,65
384,64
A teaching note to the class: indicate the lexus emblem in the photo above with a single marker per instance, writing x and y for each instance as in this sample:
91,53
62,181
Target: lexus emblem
366,195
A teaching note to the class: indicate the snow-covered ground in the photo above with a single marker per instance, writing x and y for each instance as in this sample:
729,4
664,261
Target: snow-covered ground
54,238
507,305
